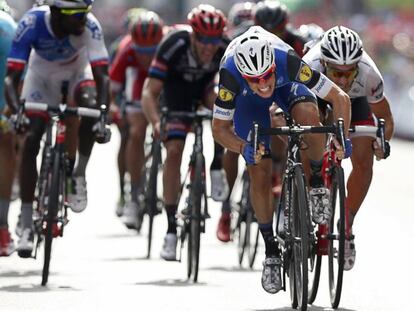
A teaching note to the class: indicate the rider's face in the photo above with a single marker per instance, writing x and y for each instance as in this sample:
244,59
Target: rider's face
342,75
73,24
205,48
263,85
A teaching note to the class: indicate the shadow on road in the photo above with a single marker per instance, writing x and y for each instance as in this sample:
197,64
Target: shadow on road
232,269
18,274
172,282
310,308
128,259
35,288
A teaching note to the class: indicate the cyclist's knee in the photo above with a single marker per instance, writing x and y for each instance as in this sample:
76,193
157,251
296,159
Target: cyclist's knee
306,113
85,94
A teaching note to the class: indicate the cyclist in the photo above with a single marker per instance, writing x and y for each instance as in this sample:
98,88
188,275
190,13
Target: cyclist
341,57
7,156
117,112
312,33
183,69
258,69
274,17
60,42
132,61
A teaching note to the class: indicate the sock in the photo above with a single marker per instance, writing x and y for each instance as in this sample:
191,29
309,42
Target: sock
4,212
316,180
270,244
134,191
218,156
172,224
81,167
226,207
27,215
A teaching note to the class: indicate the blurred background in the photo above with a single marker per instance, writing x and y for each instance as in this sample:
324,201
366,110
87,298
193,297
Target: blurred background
386,28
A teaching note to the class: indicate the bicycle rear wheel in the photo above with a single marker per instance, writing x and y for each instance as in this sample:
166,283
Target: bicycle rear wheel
151,193
337,236
301,237
314,276
52,208
253,236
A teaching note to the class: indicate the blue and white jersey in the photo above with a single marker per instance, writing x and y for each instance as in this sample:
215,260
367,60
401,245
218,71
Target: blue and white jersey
7,29
35,42
289,69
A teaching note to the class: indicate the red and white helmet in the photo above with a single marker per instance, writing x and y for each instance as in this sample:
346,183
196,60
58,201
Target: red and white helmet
207,21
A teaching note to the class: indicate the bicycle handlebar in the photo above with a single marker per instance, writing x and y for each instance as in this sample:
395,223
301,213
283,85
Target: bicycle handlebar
66,110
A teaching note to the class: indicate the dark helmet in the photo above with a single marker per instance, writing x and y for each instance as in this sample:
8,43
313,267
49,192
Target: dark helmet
240,12
146,29
206,20
70,4
271,15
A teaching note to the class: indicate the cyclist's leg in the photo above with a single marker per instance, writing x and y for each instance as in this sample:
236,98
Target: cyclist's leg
176,132
261,190
7,171
134,160
231,167
304,109
84,95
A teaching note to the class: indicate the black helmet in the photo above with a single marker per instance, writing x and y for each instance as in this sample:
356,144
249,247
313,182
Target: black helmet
271,15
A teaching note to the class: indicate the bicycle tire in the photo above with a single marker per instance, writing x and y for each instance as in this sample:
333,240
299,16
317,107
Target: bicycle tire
314,279
242,221
151,194
52,208
196,197
336,247
253,237
301,238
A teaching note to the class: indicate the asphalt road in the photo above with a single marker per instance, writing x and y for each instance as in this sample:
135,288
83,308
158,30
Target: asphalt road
101,265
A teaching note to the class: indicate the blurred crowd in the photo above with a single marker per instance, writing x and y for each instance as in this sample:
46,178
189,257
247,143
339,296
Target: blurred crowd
387,31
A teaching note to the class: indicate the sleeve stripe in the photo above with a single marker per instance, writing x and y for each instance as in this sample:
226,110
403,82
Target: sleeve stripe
99,62
16,64
156,72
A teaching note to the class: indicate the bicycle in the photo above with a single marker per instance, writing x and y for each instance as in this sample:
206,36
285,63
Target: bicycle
191,219
297,238
50,213
331,237
149,203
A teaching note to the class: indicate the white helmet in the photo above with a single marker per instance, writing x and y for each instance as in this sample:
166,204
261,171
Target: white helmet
341,46
253,56
70,4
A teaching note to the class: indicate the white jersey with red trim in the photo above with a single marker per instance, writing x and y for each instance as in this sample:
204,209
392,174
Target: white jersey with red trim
368,83
34,38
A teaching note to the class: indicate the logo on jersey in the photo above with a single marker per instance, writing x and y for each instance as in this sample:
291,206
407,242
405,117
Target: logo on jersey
94,29
305,73
225,95
28,22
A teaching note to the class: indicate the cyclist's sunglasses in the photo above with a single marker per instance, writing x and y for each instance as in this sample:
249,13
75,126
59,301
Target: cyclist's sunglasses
337,73
78,13
208,40
144,49
264,77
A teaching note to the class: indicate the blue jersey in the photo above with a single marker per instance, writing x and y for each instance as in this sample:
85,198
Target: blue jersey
7,29
294,81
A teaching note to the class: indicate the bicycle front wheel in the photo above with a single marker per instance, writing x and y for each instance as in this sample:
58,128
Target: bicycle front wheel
151,195
300,235
196,197
337,236
52,209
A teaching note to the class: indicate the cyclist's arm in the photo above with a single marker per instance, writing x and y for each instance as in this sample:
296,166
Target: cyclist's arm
382,110
100,74
149,100
223,133
341,105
